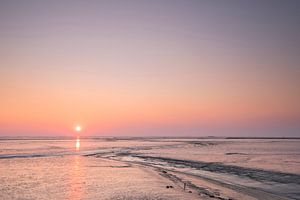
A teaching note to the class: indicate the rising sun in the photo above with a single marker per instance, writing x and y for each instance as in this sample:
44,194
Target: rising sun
78,128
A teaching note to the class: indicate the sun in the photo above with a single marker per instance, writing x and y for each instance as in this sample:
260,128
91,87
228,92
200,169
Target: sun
78,128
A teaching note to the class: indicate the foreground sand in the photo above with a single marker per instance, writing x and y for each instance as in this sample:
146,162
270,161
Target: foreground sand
149,169
79,177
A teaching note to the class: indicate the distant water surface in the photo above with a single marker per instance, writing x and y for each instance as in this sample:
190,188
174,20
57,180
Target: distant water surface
70,166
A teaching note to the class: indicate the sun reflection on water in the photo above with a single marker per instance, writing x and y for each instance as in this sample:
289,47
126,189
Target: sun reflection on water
77,144
76,178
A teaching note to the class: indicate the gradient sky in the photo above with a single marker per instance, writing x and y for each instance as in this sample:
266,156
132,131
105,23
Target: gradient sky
159,68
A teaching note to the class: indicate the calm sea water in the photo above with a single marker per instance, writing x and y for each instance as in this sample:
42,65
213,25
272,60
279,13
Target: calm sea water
76,168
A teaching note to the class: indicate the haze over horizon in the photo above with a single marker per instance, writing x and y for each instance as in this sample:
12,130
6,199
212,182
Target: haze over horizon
150,68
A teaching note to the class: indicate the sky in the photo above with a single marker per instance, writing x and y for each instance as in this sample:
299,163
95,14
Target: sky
150,68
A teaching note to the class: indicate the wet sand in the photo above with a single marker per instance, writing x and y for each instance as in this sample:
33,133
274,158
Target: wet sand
149,169
78,177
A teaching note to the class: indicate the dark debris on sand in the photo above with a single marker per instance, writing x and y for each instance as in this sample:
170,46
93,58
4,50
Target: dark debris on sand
201,191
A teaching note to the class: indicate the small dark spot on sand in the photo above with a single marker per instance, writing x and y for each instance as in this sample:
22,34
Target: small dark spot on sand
233,153
211,195
190,191
121,166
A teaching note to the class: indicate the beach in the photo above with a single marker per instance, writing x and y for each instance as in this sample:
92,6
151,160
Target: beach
149,100
149,168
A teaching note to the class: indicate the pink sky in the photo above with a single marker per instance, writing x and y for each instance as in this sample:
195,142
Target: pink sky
149,68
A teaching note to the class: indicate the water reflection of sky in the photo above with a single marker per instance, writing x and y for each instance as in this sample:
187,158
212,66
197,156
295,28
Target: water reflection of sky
77,144
76,178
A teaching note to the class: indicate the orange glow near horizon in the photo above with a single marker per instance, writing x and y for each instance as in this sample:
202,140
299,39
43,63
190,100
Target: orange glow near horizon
135,70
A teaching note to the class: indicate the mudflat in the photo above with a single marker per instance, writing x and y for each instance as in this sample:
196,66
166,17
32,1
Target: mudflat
149,168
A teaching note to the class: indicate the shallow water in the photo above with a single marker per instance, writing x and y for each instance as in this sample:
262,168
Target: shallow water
94,168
